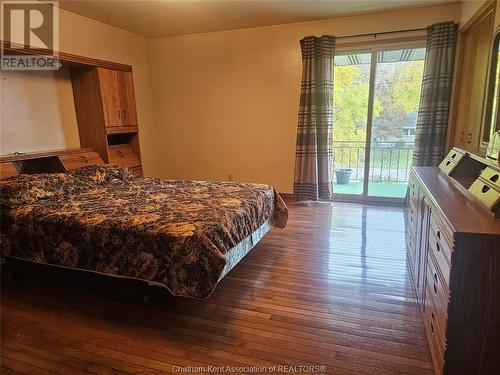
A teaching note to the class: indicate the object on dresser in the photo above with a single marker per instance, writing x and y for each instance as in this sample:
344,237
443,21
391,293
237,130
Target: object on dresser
477,177
493,146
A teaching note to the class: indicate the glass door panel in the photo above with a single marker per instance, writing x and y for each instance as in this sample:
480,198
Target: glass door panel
397,84
351,85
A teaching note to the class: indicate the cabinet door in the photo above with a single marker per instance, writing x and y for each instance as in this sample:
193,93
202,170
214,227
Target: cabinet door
127,98
474,55
110,94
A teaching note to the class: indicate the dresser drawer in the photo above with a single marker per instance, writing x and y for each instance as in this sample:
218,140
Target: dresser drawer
80,159
443,234
123,155
437,342
439,250
412,217
439,294
413,191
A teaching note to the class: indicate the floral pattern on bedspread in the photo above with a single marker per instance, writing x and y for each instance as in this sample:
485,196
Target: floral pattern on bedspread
171,232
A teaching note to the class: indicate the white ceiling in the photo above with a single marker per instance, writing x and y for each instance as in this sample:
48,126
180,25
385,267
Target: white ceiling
159,18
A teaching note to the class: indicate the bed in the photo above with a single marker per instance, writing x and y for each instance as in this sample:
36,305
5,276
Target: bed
182,235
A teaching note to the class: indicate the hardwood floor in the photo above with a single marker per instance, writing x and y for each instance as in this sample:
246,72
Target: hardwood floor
332,289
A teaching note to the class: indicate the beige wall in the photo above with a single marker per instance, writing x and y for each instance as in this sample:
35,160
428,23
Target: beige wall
227,102
37,112
221,105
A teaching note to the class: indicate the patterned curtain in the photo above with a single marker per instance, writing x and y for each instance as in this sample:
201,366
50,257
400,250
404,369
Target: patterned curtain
432,120
314,153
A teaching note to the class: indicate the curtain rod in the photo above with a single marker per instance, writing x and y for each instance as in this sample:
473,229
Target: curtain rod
380,33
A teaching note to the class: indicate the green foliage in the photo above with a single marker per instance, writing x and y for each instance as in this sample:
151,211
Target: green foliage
350,103
397,92
407,84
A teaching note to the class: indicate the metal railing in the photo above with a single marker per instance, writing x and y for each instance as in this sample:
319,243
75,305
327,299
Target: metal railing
389,161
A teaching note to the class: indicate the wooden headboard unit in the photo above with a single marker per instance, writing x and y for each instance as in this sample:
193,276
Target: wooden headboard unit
48,161
106,116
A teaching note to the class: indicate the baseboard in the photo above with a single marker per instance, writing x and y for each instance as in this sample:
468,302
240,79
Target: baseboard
288,197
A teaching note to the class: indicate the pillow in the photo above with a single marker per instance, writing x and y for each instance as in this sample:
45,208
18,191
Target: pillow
28,188
99,174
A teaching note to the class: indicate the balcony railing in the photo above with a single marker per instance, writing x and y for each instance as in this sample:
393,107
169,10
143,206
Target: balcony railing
389,161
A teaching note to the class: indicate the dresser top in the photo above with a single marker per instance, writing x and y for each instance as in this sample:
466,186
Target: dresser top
461,211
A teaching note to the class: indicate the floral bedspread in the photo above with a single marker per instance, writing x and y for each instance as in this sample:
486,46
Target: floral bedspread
176,233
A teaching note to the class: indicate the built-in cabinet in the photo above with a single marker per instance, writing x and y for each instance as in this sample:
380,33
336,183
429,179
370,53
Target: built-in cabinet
106,113
471,81
454,261
118,99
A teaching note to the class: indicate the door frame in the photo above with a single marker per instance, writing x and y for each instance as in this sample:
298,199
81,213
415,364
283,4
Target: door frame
374,48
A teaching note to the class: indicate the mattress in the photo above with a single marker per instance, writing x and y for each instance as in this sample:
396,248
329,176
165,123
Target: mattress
184,235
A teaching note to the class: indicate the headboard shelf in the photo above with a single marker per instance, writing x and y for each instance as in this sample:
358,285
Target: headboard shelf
48,161
40,154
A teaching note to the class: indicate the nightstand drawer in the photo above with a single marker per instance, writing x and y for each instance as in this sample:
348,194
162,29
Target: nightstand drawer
7,169
123,155
136,172
80,159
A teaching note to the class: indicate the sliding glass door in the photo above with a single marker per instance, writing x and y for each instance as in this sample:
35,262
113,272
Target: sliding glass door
376,98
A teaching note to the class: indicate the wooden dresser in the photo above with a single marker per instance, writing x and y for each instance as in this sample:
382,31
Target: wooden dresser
454,259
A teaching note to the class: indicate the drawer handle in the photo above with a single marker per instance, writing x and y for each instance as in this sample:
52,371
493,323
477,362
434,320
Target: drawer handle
485,188
453,156
432,326
83,159
494,178
438,247
435,281
438,234
119,153
448,163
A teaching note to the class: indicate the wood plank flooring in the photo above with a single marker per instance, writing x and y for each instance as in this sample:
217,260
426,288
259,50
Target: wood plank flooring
331,290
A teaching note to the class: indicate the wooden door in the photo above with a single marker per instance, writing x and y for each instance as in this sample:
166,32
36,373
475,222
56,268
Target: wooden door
127,98
468,106
110,94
